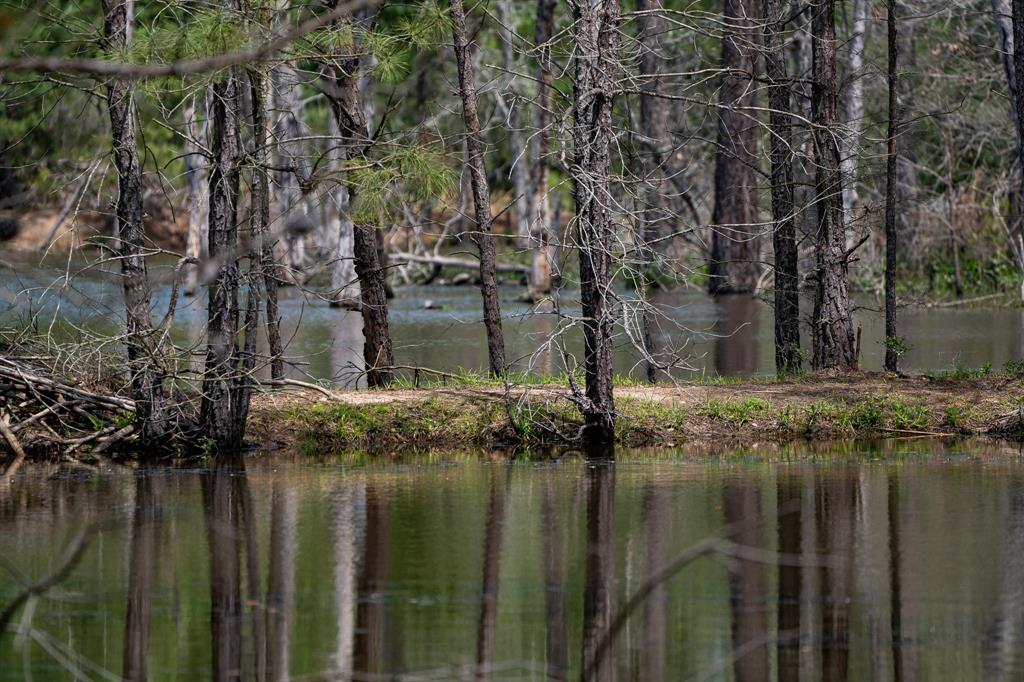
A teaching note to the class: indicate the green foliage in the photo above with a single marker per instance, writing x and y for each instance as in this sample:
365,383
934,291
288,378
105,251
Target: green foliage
898,345
418,171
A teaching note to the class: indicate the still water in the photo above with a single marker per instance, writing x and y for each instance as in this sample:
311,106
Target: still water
729,336
852,562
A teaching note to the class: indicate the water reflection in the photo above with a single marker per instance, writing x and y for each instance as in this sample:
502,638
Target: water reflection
902,571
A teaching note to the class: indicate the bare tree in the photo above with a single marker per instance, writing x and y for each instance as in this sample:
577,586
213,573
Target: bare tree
655,148
144,347
595,37
542,228
481,192
831,326
734,242
853,105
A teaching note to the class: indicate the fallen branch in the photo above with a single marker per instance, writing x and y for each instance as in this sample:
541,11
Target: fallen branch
447,262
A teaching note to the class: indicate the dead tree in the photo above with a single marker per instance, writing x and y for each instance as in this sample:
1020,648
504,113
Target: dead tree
145,359
853,106
734,241
346,103
481,192
595,34
787,282
654,151
891,162
542,227
1018,71
831,325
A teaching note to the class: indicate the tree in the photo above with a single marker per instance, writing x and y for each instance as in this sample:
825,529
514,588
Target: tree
225,400
347,109
542,227
734,242
655,150
481,192
832,327
891,162
152,406
853,106
787,281
595,37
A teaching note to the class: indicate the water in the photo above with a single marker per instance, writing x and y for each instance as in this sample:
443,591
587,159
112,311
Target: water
458,567
730,336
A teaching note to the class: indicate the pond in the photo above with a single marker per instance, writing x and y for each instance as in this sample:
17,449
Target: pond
727,336
843,562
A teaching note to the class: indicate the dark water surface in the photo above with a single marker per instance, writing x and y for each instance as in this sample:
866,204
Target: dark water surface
729,336
860,562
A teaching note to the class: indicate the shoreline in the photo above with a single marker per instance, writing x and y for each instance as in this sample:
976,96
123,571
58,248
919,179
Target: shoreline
811,408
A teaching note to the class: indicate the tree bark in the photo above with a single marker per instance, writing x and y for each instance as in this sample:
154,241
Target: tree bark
264,262
734,241
1018,101
891,162
542,225
347,108
832,327
145,359
222,394
787,280
655,149
481,192
595,33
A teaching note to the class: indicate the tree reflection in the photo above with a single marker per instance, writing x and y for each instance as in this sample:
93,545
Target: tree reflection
736,330
221,503
487,621
146,523
836,497
742,506
599,579
368,656
789,495
657,519
553,550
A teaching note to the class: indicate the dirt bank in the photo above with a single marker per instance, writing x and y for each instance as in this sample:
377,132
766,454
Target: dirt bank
816,407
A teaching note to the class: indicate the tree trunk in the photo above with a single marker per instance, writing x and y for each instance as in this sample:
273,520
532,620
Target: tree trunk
219,416
891,162
542,225
345,290
145,355
264,263
787,280
347,108
291,206
832,327
734,241
196,187
481,192
854,112
655,147
1018,70
595,33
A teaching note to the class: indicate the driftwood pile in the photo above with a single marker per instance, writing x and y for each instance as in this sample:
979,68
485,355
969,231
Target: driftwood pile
43,413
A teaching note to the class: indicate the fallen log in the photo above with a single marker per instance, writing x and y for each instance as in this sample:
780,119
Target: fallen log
462,263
